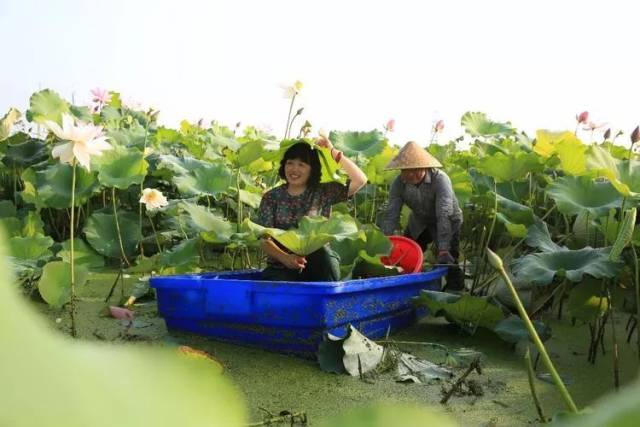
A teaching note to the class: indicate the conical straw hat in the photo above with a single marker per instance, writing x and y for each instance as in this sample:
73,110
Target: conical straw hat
412,156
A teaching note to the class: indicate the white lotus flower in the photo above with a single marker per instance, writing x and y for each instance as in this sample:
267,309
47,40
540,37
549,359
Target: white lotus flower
84,140
289,92
153,199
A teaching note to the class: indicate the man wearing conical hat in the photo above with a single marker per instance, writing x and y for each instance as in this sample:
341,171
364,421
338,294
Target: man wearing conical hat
435,214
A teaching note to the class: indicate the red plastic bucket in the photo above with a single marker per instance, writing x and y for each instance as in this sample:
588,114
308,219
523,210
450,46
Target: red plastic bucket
405,253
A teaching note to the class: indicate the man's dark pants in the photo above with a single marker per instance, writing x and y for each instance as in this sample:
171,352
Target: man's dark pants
455,279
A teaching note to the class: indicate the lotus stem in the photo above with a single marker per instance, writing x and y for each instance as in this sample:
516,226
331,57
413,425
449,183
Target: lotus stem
239,209
532,386
496,262
286,127
72,256
155,233
115,215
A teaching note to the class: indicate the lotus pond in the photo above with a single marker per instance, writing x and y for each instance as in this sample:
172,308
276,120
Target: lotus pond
99,198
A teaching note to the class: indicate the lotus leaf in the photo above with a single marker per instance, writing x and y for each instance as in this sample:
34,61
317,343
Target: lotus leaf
586,300
7,122
54,371
32,225
213,228
31,248
55,283
477,124
46,105
7,209
513,330
462,310
83,254
312,232
102,234
366,144
51,187
538,237
121,167
574,195
25,154
511,167
541,268
186,253
196,177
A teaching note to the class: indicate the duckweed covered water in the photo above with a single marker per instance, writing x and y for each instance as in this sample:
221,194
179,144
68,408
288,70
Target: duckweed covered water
279,382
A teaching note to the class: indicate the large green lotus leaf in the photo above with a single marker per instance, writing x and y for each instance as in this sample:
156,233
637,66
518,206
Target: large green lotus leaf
83,254
461,182
186,253
131,137
513,330
55,283
511,167
367,266
258,166
312,232
46,105
477,124
7,122
516,191
248,153
370,240
214,228
367,144
385,414
25,154
516,217
375,168
462,310
541,268
574,195
586,301
102,234
33,248
68,382
51,187
569,149
222,141
7,209
121,167
538,237
196,177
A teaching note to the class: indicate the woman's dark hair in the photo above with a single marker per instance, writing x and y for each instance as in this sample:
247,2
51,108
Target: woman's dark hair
303,152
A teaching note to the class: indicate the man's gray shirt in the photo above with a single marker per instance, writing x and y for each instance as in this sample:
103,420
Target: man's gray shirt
433,206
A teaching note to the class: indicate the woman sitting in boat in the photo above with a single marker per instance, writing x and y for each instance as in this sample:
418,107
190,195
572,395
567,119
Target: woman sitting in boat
303,195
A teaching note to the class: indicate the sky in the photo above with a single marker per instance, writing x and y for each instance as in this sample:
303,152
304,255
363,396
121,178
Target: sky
535,64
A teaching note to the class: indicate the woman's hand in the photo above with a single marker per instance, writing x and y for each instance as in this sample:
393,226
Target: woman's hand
323,141
293,261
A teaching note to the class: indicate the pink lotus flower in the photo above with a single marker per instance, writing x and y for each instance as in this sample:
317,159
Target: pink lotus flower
121,313
101,96
439,126
591,126
390,126
583,117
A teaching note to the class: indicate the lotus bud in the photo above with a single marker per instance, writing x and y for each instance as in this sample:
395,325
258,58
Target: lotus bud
439,126
297,86
607,134
300,110
635,135
494,260
582,117
390,126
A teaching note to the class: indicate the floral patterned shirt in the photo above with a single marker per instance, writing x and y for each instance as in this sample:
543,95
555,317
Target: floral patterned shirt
280,209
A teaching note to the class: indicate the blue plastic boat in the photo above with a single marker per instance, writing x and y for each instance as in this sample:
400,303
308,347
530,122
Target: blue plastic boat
288,317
